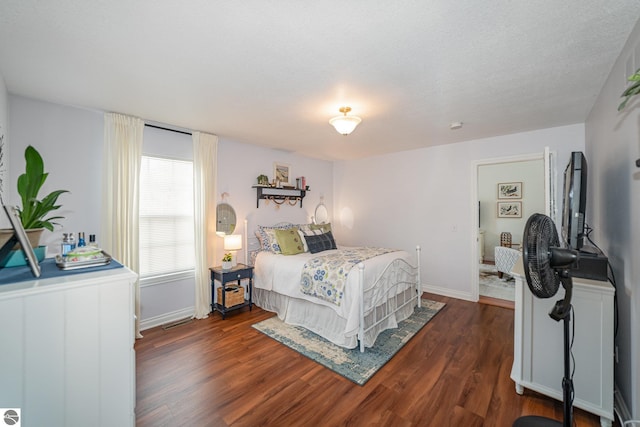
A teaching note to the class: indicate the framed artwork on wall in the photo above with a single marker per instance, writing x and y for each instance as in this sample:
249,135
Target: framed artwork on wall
510,190
509,209
282,173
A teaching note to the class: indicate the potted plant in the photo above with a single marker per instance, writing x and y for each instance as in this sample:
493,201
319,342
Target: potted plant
263,179
35,214
631,91
227,261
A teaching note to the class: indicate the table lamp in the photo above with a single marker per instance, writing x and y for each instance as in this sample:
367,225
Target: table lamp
232,244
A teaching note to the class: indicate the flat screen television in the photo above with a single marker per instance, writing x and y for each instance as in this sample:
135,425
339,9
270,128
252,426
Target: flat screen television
575,201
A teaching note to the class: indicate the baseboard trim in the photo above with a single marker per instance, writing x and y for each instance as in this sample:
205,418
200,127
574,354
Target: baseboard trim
619,406
152,322
446,292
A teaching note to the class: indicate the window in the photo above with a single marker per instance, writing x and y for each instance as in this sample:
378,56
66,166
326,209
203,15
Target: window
166,216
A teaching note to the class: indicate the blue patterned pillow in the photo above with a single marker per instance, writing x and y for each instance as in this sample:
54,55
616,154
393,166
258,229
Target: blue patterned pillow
320,242
267,236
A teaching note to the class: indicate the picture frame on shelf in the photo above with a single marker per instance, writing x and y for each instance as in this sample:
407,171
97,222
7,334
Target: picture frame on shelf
510,190
20,237
282,173
509,209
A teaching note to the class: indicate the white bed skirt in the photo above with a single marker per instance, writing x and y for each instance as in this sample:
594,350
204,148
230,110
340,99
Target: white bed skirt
323,320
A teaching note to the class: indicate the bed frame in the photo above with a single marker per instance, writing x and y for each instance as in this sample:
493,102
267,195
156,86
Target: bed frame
390,302
386,304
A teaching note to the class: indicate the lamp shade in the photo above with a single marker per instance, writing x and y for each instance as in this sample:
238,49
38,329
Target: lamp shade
345,124
233,242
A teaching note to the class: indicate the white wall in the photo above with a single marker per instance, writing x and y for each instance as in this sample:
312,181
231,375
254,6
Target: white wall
613,208
238,168
4,137
423,197
531,174
70,142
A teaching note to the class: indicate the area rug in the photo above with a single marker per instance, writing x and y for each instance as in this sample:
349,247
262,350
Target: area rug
493,286
350,363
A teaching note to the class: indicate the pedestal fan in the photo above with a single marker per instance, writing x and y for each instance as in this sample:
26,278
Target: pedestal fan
546,265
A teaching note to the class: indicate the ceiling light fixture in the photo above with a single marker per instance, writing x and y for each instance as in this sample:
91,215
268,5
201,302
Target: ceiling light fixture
345,124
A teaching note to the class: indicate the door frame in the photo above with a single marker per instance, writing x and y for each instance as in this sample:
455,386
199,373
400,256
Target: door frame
548,159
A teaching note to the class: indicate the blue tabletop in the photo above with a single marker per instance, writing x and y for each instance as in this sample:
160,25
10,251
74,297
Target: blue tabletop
48,270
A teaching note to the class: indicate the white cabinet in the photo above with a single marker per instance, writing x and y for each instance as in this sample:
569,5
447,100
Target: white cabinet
67,356
538,344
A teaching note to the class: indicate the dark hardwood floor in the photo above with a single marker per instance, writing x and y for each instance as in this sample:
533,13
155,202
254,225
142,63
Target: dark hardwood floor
454,372
496,301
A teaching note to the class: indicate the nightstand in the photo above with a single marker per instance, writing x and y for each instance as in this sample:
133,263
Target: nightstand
224,277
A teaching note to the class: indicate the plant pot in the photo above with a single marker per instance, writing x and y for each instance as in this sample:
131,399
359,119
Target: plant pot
33,235
227,265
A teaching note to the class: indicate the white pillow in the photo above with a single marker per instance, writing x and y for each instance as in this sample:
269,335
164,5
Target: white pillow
304,241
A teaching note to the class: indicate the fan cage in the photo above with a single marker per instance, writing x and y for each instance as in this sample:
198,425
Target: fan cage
539,236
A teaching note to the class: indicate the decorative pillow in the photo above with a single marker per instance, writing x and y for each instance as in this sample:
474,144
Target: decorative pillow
290,241
320,242
267,237
305,228
303,233
324,227
259,237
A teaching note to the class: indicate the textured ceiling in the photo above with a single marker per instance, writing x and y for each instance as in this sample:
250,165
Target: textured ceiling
272,73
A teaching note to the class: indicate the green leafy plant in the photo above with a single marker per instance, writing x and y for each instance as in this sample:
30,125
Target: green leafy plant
227,257
34,211
263,179
632,90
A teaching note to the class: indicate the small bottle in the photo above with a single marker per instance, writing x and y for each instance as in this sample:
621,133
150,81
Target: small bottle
72,241
65,247
92,241
81,239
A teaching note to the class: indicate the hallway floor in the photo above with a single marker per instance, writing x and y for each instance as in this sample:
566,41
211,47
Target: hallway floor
493,286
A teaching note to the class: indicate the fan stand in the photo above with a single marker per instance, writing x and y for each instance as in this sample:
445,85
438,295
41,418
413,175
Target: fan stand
561,311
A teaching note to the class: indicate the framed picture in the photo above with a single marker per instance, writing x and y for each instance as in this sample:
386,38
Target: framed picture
509,209
510,190
282,173
20,236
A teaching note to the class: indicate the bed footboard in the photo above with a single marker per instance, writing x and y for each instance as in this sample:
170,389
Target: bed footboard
403,287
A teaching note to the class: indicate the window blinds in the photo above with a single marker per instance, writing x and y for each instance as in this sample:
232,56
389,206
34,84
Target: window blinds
166,216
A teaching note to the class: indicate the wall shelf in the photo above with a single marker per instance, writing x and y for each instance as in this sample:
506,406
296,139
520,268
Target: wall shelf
279,196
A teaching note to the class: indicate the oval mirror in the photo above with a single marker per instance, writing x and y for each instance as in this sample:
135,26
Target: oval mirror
321,215
226,218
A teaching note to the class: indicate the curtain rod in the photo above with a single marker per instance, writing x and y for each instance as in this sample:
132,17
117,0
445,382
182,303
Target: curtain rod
170,130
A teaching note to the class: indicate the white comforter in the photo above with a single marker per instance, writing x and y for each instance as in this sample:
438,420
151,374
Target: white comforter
282,273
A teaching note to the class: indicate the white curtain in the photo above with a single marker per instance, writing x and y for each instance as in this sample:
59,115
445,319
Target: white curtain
205,152
122,157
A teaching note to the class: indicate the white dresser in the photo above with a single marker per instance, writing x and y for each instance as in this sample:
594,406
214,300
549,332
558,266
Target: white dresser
538,344
66,349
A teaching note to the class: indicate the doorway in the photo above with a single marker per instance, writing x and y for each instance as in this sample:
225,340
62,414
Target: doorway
508,191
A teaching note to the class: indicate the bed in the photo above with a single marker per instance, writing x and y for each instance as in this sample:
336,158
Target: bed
348,302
